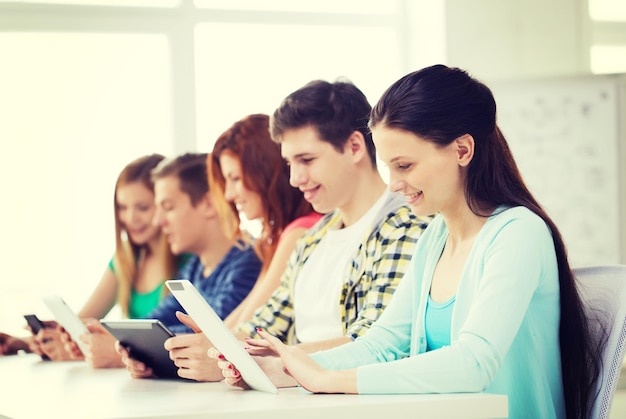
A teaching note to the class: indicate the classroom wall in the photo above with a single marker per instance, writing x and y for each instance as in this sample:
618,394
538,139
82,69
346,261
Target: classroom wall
566,134
508,42
508,39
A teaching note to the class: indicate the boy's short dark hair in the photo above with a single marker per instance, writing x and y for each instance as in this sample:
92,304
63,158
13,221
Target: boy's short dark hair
191,171
334,110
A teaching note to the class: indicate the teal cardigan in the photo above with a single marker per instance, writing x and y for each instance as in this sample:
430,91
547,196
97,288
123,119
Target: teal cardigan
504,331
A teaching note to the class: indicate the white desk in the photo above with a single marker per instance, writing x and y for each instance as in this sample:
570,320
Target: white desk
31,388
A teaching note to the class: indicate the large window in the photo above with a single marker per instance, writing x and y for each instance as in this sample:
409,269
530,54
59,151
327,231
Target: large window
75,109
608,36
88,86
262,63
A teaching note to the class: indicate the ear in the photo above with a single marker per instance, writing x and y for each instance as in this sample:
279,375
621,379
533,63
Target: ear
464,149
206,206
355,146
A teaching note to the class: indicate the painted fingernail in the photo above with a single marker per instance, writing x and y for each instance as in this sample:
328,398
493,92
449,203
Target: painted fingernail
258,329
236,373
230,367
220,356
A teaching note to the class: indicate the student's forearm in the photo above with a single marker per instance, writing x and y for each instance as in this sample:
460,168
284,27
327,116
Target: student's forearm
343,382
235,318
328,381
312,347
10,345
102,298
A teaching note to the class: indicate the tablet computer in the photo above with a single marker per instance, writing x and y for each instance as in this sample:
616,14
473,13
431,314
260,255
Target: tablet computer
35,326
144,339
220,335
64,315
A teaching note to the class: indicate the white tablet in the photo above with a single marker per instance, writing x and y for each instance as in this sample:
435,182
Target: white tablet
67,318
220,335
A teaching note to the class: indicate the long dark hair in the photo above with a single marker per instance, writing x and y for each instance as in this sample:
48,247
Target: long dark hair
440,104
263,171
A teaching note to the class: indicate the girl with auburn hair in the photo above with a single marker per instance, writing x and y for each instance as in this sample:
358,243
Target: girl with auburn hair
489,302
248,173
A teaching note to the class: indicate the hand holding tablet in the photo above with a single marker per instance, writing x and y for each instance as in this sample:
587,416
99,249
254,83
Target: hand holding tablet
67,318
220,335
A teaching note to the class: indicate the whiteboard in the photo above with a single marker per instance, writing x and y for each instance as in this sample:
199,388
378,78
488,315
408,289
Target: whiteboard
566,136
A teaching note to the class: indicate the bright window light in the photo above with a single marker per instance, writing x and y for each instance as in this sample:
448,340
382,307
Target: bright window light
261,64
607,59
321,6
607,10
76,108
122,3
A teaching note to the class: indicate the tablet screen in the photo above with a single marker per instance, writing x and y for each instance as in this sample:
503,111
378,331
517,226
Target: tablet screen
219,334
144,340
64,315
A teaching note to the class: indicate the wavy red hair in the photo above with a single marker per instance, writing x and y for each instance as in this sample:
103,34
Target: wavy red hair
265,172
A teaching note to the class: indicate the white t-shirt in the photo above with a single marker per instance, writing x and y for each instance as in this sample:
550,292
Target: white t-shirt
318,286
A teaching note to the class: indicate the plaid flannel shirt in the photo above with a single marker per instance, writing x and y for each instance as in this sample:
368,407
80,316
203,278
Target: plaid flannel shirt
369,282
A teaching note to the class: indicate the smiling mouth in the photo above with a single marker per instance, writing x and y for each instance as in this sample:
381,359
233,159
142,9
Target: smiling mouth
412,197
137,230
308,193
309,190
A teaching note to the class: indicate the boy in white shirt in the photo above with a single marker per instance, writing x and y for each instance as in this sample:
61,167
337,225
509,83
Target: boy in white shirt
344,271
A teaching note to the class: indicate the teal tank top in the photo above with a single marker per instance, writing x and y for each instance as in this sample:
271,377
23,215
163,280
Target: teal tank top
438,323
141,304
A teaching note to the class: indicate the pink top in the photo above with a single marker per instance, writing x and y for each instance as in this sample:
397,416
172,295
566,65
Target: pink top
306,221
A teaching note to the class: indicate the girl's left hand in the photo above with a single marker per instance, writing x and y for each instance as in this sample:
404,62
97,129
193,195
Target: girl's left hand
232,377
297,364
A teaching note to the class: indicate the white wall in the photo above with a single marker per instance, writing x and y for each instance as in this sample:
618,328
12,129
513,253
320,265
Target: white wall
509,39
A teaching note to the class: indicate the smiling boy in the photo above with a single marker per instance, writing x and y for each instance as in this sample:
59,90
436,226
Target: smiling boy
345,269
223,270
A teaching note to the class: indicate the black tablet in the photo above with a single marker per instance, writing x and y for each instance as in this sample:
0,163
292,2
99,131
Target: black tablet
34,323
144,341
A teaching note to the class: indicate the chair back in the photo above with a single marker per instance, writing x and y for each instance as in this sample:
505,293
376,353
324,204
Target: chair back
603,291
